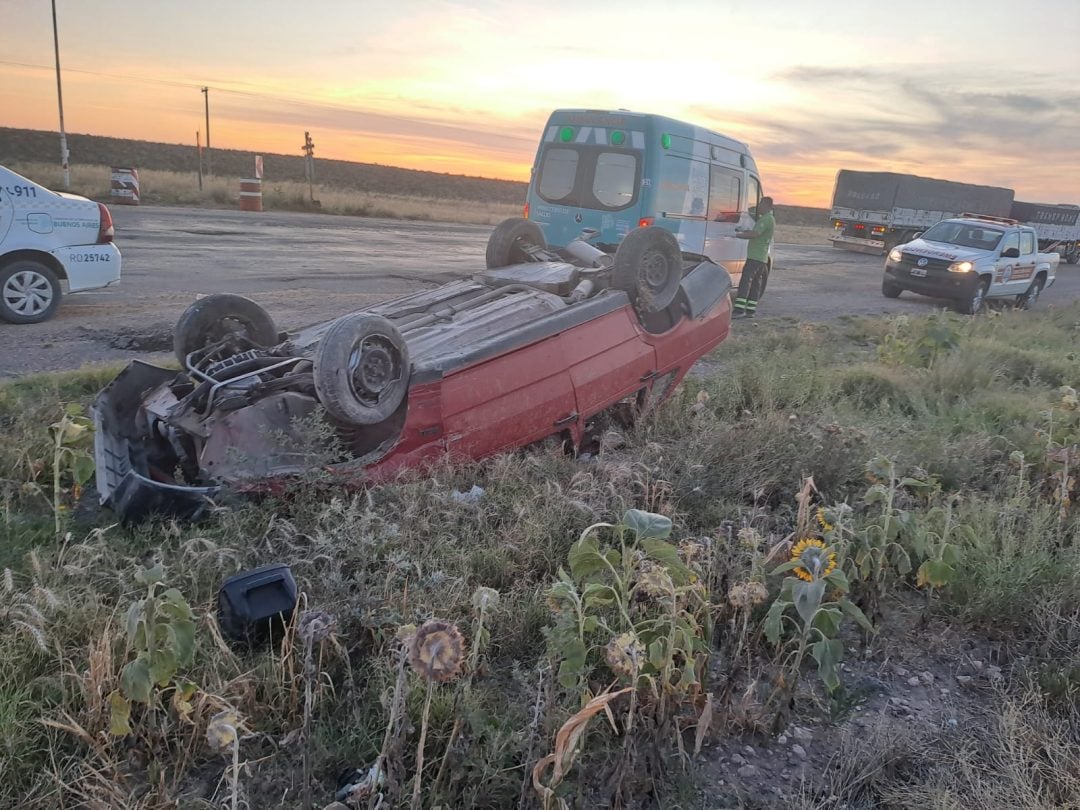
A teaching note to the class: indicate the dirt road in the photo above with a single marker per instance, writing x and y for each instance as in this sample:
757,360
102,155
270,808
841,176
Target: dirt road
309,267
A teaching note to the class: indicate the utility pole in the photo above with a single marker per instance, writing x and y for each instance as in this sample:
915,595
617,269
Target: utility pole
60,101
206,98
309,163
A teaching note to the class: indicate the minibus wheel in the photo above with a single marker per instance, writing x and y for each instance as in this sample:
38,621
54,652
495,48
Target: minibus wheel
648,267
508,241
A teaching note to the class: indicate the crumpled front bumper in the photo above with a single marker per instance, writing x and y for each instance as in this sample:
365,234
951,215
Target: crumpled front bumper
126,481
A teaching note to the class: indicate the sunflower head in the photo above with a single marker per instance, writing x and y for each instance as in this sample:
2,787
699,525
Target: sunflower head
823,520
625,655
815,560
437,651
747,594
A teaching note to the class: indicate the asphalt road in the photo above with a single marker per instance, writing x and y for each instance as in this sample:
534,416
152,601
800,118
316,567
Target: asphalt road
306,268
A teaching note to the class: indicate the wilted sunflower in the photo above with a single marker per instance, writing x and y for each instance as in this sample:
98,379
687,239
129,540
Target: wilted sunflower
437,651
747,594
625,654
654,581
815,560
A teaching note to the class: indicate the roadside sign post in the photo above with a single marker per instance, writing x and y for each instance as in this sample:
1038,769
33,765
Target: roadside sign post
309,163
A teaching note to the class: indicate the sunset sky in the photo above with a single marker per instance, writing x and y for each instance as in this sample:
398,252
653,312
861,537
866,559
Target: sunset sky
982,92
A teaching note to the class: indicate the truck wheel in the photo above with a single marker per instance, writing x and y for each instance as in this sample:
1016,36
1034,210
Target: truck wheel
506,244
361,369
29,292
889,289
1028,299
974,303
214,318
648,267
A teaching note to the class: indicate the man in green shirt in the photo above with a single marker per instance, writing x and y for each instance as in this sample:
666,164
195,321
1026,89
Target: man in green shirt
757,259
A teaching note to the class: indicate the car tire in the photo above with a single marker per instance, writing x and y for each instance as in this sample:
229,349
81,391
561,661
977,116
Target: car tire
505,245
361,369
976,302
648,267
1030,297
889,289
213,318
29,292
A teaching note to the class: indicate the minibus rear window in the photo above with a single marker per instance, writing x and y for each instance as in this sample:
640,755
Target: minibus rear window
557,174
589,177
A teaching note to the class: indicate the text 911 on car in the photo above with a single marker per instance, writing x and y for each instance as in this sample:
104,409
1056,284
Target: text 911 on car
540,344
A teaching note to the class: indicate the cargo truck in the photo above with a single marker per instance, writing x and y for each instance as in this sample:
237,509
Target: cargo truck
873,212
1057,226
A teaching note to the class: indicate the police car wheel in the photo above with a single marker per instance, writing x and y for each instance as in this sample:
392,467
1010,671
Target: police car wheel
976,302
29,292
1029,298
648,267
890,290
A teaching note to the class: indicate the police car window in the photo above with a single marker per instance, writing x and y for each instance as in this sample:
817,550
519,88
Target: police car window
1027,243
1011,241
725,190
557,174
615,179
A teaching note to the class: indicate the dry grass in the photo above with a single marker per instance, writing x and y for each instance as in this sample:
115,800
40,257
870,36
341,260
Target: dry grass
782,403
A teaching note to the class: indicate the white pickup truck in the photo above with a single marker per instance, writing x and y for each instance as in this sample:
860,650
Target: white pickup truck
970,259
49,241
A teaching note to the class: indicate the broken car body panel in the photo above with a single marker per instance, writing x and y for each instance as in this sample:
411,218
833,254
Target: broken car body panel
495,362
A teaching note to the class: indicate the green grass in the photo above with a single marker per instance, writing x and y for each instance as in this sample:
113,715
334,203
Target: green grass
948,398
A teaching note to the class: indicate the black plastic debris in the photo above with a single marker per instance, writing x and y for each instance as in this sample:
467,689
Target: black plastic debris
256,605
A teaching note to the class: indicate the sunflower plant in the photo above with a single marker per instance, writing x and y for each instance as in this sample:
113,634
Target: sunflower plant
632,605
807,615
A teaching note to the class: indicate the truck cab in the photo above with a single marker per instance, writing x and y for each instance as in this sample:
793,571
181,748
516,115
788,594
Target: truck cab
969,260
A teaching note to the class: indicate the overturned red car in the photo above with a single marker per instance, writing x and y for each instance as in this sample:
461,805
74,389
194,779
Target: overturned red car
540,344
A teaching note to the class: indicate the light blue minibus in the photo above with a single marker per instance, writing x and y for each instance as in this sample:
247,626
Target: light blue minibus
613,171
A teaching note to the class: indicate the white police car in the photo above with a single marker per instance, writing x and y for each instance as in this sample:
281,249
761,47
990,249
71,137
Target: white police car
49,241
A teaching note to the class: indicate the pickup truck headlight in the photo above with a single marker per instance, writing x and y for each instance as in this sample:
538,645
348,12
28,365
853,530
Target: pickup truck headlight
895,255
960,267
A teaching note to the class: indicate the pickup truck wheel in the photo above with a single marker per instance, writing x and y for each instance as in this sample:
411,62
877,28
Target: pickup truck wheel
889,289
215,317
648,267
973,304
361,369
29,292
1028,299
506,244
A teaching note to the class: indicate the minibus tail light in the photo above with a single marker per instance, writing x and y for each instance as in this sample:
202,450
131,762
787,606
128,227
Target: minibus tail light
526,214
645,222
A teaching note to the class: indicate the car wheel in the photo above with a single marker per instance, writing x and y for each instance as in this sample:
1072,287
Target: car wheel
648,267
214,318
29,292
973,304
506,244
889,289
361,369
1029,298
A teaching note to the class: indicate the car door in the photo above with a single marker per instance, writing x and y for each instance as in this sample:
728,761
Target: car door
7,215
509,401
609,360
1025,264
727,213
1006,267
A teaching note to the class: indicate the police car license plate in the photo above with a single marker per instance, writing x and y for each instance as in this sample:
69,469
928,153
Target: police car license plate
918,271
